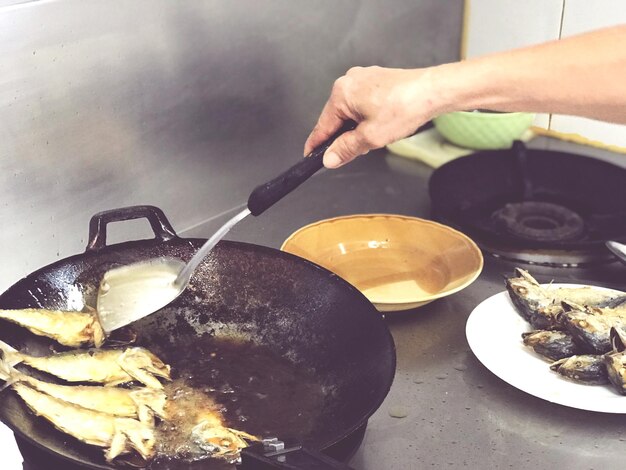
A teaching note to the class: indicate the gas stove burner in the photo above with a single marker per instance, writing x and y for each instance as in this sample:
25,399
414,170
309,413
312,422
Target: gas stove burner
561,223
549,258
539,221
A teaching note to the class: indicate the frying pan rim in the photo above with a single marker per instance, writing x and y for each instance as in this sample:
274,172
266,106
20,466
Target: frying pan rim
332,277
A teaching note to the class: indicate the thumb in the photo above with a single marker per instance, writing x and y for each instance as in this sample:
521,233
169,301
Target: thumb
346,148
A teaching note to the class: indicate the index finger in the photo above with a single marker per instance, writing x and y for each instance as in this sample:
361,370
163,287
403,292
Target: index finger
327,124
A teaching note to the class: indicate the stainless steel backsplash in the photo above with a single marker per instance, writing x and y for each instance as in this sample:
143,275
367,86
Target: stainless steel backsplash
183,105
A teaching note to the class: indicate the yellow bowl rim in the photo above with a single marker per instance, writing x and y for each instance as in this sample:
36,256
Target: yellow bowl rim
444,293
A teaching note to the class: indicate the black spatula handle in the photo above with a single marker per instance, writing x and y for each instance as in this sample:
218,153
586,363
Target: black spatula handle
266,195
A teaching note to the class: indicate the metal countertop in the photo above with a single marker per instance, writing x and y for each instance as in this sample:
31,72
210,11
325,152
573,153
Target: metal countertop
459,413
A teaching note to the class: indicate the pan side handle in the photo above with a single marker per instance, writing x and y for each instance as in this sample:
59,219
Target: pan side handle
163,230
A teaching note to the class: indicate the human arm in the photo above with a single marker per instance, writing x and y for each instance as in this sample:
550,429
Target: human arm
583,75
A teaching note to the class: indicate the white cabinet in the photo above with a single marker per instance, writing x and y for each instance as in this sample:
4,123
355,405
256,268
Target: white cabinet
496,25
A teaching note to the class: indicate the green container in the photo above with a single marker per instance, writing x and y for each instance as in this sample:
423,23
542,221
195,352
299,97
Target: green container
483,130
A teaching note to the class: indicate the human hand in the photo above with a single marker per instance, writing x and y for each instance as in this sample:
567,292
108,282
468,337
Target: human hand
388,104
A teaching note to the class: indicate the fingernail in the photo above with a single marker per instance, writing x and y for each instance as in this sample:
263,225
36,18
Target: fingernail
332,160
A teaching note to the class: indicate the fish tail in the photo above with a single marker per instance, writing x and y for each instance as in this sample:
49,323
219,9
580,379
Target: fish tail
9,355
118,446
8,373
5,374
6,384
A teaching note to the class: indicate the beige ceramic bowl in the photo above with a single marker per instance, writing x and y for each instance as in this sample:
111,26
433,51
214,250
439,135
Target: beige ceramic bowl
398,262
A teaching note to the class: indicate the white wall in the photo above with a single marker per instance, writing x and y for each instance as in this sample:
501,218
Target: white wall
496,25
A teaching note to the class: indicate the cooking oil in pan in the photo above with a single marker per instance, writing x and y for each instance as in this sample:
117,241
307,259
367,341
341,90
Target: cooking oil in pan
246,386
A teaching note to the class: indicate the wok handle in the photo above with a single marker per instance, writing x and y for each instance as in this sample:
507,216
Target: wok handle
266,195
296,457
163,230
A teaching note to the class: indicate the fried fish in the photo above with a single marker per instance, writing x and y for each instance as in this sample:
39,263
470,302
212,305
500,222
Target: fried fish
141,403
73,329
590,326
116,434
586,368
107,366
551,344
542,306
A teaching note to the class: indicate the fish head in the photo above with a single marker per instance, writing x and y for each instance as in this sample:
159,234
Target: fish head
140,358
618,338
570,310
532,338
590,331
219,441
616,370
586,368
526,293
151,401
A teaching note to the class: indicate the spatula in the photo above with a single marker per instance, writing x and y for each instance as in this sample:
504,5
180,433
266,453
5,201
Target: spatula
134,291
618,249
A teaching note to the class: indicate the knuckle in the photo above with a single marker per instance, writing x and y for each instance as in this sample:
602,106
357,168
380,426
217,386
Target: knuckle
375,136
343,147
339,85
359,144
371,140
344,150
376,141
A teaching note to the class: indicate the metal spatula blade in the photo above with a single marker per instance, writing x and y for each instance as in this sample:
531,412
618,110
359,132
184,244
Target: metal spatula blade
131,292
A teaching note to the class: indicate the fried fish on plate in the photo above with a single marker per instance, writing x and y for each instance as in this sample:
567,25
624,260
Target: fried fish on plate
73,329
551,344
615,361
542,306
586,368
591,326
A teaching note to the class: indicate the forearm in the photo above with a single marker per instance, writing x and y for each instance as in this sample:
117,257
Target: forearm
583,75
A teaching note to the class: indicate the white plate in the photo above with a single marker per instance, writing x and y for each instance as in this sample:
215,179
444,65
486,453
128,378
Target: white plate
494,333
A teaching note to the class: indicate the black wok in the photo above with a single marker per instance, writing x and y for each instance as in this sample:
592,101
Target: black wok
292,307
